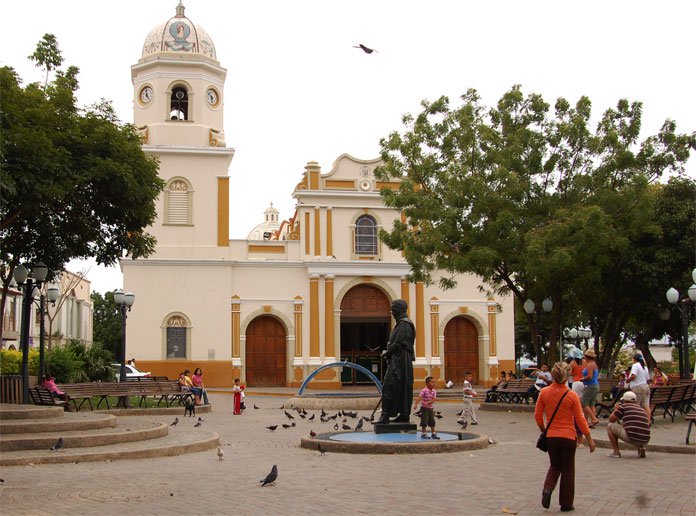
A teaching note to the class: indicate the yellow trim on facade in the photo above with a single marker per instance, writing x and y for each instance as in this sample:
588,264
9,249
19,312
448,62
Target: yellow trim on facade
223,222
306,233
298,325
434,326
405,295
317,232
329,232
329,316
420,320
339,184
314,316
492,316
256,248
236,334
392,185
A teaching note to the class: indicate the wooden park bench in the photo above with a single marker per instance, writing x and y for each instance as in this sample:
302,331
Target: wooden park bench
164,391
610,393
671,398
42,396
691,418
516,391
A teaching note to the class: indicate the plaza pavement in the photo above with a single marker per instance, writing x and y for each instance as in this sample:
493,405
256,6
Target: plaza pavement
506,476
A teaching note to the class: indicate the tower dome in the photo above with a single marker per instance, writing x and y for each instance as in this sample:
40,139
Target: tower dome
179,34
267,229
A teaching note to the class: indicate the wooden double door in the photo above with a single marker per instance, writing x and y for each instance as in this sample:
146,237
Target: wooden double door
266,344
461,350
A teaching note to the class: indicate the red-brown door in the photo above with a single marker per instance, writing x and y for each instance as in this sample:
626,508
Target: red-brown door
461,350
265,353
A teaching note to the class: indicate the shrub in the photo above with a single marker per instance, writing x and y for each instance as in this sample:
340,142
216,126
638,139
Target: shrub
63,363
10,361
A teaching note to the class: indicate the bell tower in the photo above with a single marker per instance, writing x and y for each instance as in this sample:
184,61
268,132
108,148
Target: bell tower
178,104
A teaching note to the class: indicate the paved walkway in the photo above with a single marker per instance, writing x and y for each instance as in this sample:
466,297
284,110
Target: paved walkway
505,476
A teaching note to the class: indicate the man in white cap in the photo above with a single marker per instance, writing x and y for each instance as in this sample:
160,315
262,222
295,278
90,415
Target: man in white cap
629,422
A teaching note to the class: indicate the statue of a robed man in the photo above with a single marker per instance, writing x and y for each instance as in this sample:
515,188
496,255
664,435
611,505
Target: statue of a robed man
397,390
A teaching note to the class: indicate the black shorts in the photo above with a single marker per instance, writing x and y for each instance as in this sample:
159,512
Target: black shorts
427,417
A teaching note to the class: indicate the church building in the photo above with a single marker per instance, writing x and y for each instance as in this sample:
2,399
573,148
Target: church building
297,293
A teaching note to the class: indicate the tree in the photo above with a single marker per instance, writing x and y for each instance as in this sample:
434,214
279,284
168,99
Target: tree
106,323
534,202
75,182
47,54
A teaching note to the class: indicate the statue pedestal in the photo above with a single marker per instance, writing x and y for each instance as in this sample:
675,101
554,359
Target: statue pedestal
395,428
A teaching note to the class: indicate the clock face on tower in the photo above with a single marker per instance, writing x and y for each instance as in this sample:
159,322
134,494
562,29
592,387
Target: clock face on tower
146,95
212,97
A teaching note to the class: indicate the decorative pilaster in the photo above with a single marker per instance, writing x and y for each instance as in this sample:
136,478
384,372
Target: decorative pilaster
299,303
223,222
329,232
405,294
317,231
236,328
435,326
420,321
492,313
307,235
329,315
314,315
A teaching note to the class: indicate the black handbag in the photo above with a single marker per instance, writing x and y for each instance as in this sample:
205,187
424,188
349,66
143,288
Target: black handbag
542,442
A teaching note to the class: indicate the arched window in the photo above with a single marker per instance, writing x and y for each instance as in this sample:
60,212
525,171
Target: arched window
177,337
366,235
179,104
178,200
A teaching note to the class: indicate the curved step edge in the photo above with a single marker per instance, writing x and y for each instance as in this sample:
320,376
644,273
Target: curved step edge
62,425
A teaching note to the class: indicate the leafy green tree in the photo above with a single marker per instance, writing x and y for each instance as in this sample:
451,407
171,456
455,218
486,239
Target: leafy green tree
106,323
75,182
532,200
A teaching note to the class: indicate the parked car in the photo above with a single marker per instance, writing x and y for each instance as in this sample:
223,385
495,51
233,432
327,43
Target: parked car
131,372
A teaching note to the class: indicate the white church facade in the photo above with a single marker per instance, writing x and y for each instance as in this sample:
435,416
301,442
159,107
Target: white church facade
296,294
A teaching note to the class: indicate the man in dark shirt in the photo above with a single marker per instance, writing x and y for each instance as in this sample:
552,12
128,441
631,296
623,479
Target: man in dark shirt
629,422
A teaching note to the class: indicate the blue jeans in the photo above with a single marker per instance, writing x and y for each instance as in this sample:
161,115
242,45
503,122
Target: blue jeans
199,392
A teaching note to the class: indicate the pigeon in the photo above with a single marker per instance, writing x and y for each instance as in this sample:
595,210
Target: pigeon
366,419
312,434
201,419
58,445
439,416
311,418
302,415
290,416
271,428
322,451
344,420
220,454
346,427
176,422
360,425
323,420
286,426
323,413
336,426
271,477
304,412
257,408
197,425
365,49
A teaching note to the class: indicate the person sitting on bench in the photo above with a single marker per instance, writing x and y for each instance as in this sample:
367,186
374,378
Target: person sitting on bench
50,384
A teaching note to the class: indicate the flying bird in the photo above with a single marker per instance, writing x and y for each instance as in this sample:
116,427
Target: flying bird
271,428
312,434
271,477
311,418
220,454
321,450
197,424
175,422
257,408
290,416
360,425
58,445
365,49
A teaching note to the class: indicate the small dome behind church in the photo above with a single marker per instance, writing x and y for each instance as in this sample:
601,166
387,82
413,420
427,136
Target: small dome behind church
268,228
179,34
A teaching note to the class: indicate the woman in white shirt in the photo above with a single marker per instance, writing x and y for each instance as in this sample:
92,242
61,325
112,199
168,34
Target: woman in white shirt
638,382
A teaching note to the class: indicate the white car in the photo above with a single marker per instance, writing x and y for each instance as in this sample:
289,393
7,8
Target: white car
131,372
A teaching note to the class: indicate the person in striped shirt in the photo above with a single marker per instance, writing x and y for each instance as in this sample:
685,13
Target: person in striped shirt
629,422
427,400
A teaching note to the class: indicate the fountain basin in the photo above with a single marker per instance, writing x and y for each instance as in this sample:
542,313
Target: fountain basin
399,443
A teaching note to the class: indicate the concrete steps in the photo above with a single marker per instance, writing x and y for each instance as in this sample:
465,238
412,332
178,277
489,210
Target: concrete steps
27,432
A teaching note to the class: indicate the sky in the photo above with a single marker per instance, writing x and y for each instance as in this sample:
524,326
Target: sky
297,90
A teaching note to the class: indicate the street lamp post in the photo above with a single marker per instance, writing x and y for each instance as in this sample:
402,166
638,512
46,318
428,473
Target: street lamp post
53,295
529,308
684,306
23,279
124,303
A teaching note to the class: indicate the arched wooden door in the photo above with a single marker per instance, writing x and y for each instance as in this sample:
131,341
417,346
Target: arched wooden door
461,350
265,353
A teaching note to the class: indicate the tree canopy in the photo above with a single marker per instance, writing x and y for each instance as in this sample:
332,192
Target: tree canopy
533,200
74,182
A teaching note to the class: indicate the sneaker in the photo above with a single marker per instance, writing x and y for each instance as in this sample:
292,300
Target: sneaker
435,436
461,421
464,424
424,436
546,498
641,452
614,455
474,422
567,508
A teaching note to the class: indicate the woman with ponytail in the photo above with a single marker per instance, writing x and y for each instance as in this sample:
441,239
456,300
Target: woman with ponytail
638,382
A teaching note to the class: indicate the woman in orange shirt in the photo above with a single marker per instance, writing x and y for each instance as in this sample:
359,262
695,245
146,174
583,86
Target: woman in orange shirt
561,436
